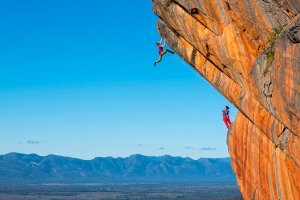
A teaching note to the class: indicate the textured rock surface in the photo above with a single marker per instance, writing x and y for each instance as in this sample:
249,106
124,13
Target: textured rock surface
226,41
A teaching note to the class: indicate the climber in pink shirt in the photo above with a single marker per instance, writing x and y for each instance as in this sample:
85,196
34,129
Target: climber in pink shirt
161,51
226,119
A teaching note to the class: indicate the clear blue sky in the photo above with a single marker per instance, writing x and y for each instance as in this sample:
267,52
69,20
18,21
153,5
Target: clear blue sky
77,79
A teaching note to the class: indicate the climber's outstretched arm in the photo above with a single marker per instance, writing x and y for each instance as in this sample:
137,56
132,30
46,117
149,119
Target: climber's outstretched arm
163,45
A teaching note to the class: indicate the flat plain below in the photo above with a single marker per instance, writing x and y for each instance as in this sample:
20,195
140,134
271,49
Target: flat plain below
153,191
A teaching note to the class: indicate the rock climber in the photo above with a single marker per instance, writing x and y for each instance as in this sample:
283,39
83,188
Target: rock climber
161,51
226,118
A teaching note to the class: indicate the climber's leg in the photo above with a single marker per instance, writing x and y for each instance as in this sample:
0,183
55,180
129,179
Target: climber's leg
159,59
163,53
227,122
228,119
172,52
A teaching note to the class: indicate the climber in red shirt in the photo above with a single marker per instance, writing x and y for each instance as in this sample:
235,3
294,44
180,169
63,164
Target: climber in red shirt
161,51
226,118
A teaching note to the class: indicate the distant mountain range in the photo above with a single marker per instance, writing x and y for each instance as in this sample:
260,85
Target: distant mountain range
15,167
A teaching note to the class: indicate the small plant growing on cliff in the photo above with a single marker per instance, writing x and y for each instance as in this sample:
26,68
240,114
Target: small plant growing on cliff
270,50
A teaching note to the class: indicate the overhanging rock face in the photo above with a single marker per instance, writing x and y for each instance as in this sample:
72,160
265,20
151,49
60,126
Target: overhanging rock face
250,52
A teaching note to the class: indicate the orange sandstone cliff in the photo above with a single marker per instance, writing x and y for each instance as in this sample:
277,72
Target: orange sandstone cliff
249,50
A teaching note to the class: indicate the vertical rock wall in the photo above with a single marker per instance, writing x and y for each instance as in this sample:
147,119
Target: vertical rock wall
230,43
